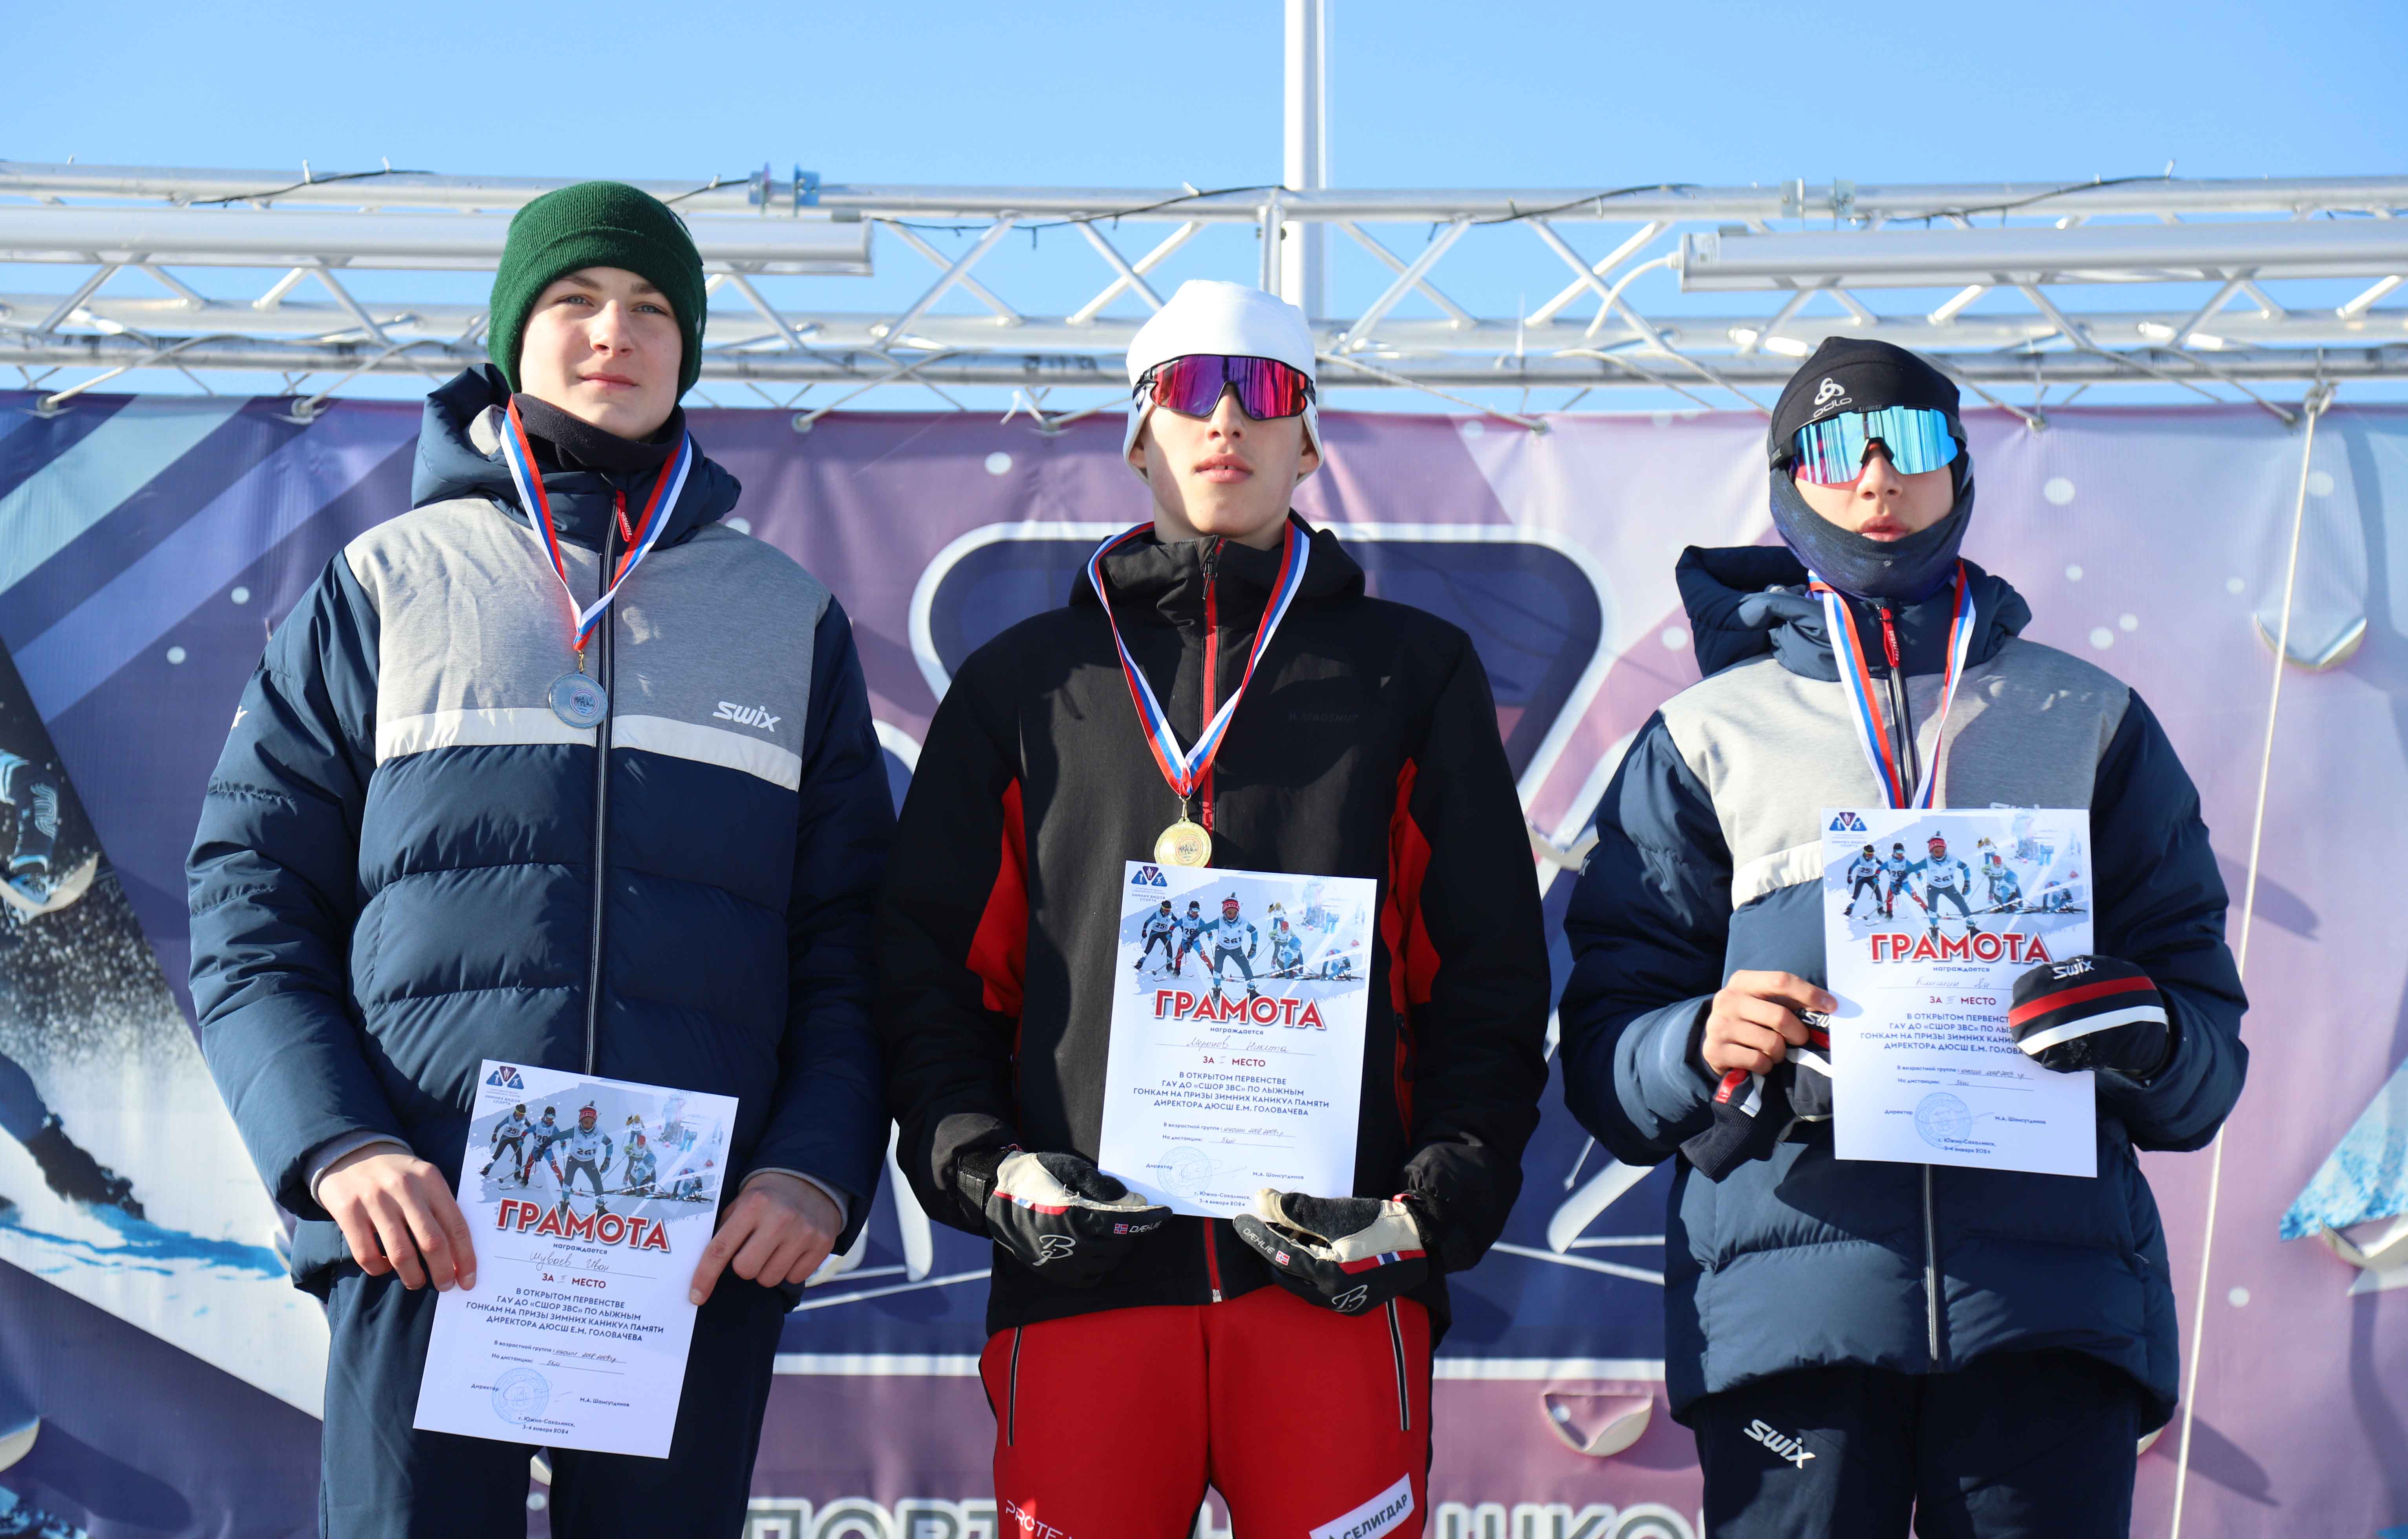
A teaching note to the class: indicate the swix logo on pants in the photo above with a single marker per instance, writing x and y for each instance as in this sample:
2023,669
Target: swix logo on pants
1782,1443
1381,1515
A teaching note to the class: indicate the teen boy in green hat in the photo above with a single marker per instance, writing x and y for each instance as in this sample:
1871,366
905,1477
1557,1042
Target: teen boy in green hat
463,816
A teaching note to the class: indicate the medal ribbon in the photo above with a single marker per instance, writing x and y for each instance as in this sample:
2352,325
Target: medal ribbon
532,496
1857,681
1186,769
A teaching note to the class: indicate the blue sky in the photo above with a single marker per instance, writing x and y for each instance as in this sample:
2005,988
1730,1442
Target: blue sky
1539,95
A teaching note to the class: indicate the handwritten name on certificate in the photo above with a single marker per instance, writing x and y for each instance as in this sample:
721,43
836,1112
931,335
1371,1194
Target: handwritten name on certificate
588,1201
1928,918
1237,1018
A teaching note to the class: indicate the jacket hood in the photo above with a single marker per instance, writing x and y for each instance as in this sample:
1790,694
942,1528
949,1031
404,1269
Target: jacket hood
1745,601
1168,578
451,463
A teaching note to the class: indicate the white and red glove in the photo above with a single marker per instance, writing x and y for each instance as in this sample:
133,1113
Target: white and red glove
1063,1219
1345,1253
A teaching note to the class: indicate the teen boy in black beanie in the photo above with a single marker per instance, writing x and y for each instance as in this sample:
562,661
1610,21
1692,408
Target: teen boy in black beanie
1858,1345
451,825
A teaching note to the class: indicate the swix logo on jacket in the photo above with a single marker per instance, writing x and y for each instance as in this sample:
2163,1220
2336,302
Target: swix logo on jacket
1786,1446
746,715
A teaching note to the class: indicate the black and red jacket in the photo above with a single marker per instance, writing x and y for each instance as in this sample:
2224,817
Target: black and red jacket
1367,745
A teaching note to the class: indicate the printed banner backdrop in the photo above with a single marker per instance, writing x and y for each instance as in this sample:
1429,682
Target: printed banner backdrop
156,1379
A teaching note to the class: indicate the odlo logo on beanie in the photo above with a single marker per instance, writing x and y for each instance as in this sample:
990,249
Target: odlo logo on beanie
1830,396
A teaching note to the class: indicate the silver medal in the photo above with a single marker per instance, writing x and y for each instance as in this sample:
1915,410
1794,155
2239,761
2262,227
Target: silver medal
579,700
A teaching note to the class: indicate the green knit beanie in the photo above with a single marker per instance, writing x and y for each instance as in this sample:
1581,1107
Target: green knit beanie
596,224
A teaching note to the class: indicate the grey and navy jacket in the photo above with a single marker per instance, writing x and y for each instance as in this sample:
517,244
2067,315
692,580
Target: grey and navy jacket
1708,861
407,864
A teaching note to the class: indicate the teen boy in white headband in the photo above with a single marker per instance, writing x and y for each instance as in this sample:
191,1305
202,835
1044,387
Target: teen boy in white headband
1284,1355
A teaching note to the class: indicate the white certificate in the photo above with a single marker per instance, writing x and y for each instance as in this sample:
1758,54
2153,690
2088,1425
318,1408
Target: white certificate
1928,918
1236,1052
588,1201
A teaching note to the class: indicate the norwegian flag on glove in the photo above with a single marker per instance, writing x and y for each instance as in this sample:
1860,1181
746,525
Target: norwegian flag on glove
1345,1253
2092,1013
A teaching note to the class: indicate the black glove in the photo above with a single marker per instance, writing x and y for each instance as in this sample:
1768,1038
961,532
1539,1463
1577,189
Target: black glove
2092,1013
1752,1112
1345,1253
1065,1219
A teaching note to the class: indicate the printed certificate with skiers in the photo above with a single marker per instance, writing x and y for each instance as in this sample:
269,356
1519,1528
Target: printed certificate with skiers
589,1199
1237,1054
1929,919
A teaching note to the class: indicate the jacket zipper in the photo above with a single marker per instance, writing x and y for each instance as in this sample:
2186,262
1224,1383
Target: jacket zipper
1211,667
602,636
1404,1393
1911,773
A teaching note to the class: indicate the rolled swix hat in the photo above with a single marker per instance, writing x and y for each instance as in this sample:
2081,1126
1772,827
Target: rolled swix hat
1211,316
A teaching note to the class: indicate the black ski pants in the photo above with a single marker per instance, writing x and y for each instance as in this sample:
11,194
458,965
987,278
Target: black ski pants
382,1479
2013,1446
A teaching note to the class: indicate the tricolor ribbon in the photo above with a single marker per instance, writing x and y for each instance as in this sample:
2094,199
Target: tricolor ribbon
1864,707
532,496
1186,768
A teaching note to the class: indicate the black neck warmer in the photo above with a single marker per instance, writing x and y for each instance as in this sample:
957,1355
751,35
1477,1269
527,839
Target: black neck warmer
1848,373
571,443
1903,571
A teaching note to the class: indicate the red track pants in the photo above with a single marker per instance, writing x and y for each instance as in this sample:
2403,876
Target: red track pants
1310,1424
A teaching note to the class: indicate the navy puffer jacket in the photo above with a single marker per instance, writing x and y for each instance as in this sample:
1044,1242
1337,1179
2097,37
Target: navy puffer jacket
407,864
1707,863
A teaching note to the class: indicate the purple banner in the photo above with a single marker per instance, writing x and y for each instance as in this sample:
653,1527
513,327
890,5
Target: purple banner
147,546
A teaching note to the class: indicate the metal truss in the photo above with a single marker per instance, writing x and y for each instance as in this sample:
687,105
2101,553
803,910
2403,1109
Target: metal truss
2230,290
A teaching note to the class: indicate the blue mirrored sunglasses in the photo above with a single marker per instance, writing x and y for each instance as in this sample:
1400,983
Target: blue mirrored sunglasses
1831,453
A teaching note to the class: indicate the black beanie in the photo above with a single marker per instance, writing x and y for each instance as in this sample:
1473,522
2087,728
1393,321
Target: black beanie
1855,374
1852,374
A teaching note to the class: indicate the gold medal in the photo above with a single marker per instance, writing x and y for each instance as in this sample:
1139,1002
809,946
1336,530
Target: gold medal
1184,842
